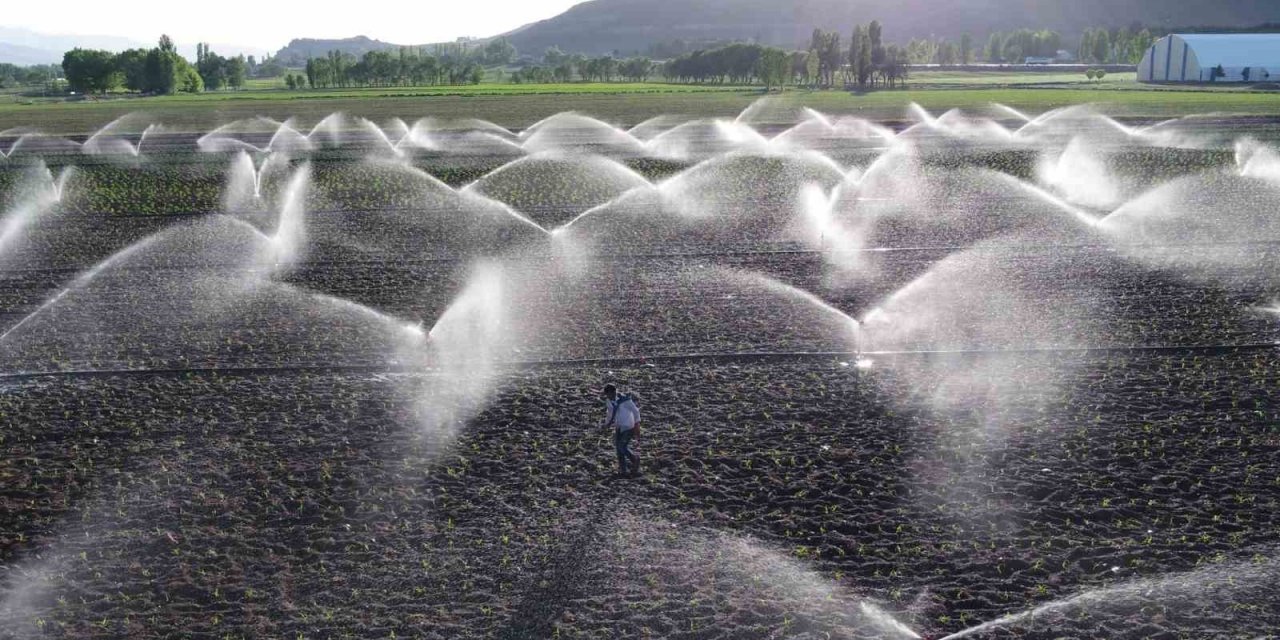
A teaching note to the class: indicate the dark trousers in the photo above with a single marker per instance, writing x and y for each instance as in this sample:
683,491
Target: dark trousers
628,460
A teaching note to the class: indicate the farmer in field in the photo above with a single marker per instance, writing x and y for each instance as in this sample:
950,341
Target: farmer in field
622,414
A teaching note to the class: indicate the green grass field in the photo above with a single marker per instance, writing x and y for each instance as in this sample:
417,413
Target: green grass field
1017,79
520,105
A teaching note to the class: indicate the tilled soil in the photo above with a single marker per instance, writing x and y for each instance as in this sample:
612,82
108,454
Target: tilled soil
779,499
235,449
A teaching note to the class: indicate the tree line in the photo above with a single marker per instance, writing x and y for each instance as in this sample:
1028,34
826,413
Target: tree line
862,59
159,70
12,75
867,61
446,64
558,66
408,67
1114,46
1097,46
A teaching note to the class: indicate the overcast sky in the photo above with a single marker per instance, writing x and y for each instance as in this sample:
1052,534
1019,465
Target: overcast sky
270,25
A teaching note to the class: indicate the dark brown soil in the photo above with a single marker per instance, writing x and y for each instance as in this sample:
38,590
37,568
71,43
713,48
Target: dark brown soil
777,496
266,469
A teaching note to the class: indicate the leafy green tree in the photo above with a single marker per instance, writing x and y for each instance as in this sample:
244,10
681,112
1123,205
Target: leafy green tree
211,66
947,53
636,69
132,63
312,70
288,81
237,69
1102,46
166,72
267,69
855,45
499,51
582,65
428,69
1138,48
966,49
1085,52
826,46
91,70
896,66
161,72
922,51
772,68
554,57
603,68
190,79
876,33
1121,45
864,68
995,48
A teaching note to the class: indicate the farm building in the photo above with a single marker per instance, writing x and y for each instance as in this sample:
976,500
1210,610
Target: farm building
1242,57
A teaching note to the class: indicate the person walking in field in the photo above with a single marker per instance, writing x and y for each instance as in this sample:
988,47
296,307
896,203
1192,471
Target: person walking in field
622,414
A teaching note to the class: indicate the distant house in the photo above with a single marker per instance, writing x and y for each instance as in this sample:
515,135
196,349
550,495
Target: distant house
1035,60
1206,57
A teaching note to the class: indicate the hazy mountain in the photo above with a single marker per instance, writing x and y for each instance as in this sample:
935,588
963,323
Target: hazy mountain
61,42
23,46
601,26
20,55
295,54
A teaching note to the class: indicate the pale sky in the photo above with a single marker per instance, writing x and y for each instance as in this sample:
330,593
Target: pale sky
270,25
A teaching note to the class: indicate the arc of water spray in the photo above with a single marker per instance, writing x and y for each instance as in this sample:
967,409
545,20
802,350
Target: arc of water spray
1079,214
922,115
58,184
465,192
1013,112
93,145
290,235
92,141
15,221
26,212
846,321
556,155
79,282
21,133
1240,576
408,136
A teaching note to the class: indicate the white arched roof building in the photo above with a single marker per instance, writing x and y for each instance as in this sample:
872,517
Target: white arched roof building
1244,57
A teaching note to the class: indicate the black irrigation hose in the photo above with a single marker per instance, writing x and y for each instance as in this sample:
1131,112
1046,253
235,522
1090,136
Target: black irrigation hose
636,361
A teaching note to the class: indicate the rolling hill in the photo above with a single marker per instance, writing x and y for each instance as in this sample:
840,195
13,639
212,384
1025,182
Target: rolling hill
295,53
23,56
601,26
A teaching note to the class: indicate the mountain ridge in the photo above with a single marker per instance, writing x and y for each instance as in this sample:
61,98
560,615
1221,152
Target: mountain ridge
603,26
24,47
